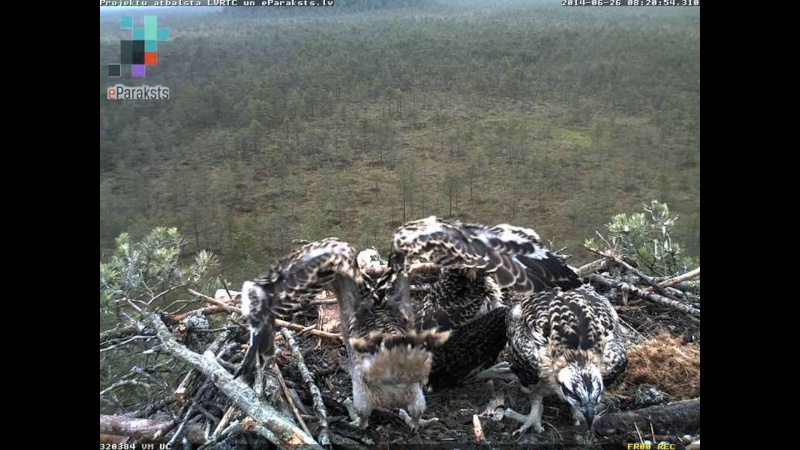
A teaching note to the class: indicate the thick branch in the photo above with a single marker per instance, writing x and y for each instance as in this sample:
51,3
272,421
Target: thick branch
675,418
655,298
636,271
285,432
145,430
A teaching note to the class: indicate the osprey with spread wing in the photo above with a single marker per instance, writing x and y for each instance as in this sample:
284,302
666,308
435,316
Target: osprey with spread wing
475,264
388,358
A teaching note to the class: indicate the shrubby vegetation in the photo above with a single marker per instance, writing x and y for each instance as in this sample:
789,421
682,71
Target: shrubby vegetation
348,122
646,238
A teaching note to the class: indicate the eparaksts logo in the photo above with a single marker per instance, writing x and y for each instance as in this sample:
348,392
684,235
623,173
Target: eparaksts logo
121,92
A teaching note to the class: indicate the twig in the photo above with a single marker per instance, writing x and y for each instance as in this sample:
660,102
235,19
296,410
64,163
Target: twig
150,302
681,278
149,410
206,311
283,432
225,285
478,429
222,423
126,341
593,266
635,426
181,425
223,305
289,400
319,406
119,331
235,427
652,432
122,383
655,298
138,370
180,392
202,409
636,271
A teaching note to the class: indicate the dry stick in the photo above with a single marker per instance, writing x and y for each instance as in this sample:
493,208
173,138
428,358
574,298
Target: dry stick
278,322
282,432
119,331
180,393
119,384
655,298
682,416
681,278
145,430
289,400
223,423
207,311
225,285
319,406
593,266
477,429
152,408
234,427
138,370
636,271
186,417
126,341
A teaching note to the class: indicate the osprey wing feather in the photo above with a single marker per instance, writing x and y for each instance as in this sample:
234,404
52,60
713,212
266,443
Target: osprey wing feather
309,269
388,359
476,262
514,255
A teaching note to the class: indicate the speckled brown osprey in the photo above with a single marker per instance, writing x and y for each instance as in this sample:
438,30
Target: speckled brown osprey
388,358
564,343
475,263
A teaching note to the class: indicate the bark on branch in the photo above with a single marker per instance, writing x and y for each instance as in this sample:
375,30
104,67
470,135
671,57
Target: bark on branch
649,296
147,430
283,432
675,418
121,331
634,270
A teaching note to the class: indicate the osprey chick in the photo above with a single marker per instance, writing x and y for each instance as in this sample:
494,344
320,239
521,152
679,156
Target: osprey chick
564,343
476,263
388,359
